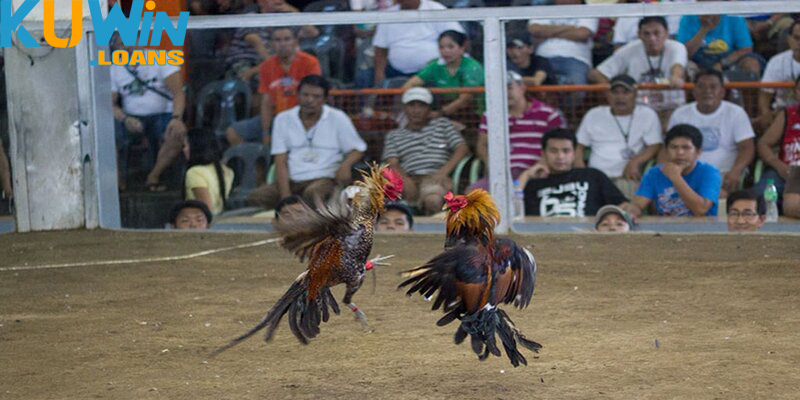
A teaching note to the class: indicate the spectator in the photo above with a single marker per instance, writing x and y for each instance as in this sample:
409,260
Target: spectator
653,58
314,145
783,67
623,136
190,214
746,211
453,70
567,191
396,218
404,49
207,179
289,206
612,219
149,101
728,137
682,186
719,42
279,76
6,190
784,132
424,152
567,45
791,194
535,70
626,29
528,120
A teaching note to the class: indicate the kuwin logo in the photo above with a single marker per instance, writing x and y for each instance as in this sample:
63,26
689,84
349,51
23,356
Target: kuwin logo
128,28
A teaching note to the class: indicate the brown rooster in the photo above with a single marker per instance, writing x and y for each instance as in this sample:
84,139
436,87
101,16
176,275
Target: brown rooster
476,273
336,240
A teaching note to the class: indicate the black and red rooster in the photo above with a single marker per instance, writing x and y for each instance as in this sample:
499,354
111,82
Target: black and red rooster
476,273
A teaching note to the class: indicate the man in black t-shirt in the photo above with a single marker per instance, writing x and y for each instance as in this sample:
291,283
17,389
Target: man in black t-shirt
535,70
555,188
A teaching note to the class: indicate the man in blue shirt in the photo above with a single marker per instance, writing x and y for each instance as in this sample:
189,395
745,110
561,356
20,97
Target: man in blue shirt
681,186
719,42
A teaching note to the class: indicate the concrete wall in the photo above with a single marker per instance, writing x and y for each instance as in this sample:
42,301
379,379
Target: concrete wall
45,141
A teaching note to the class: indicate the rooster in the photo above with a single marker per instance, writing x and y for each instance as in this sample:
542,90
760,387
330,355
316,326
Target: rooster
336,240
475,274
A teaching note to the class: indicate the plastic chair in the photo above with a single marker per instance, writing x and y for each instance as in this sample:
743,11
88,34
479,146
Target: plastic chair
226,93
759,170
459,169
328,46
244,159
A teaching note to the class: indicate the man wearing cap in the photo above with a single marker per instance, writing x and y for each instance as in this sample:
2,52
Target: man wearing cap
396,217
424,152
613,219
728,137
653,58
534,70
623,136
528,120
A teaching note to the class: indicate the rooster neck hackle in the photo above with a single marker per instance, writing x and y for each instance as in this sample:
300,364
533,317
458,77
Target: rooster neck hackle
476,220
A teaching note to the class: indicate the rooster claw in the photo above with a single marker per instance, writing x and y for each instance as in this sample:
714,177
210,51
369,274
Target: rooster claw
360,317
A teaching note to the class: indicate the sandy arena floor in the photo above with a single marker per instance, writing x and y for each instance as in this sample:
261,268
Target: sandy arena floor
622,317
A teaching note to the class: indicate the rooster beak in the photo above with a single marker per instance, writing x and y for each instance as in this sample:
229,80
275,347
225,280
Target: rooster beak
445,206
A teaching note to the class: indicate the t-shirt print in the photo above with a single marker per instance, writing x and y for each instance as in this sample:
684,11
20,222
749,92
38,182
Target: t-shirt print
566,200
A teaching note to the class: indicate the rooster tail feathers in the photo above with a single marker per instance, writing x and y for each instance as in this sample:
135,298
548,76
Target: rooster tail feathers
482,328
304,315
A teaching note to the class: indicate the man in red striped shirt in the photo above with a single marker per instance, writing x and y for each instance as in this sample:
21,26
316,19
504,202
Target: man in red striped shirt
528,120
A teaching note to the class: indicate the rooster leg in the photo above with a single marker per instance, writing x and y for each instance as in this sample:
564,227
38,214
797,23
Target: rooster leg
348,297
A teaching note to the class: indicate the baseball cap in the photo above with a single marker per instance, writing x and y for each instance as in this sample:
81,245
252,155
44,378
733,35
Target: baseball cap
518,41
512,76
624,81
612,209
418,94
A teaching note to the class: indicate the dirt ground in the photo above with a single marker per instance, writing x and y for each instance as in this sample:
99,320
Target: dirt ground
622,317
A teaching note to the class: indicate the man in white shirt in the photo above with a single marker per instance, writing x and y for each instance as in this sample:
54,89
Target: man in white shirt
653,58
315,147
148,100
728,138
567,45
626,29
623,136
783,67
403,49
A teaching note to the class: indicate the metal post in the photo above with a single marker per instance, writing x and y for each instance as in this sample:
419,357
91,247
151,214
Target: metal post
98,150
497,117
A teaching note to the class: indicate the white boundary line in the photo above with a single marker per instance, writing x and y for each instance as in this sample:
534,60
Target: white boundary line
140,260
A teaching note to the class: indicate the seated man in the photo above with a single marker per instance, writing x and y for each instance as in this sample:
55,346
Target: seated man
148,100
528,120
404,49
315,147
623,136
424,152
782,67
567,45
396,218
719,42
278,77
682,186
190,214
566,191
653,58
612,219
534,70
728,137
746,210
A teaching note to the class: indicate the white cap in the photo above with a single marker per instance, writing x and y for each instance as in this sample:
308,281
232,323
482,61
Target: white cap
418,94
